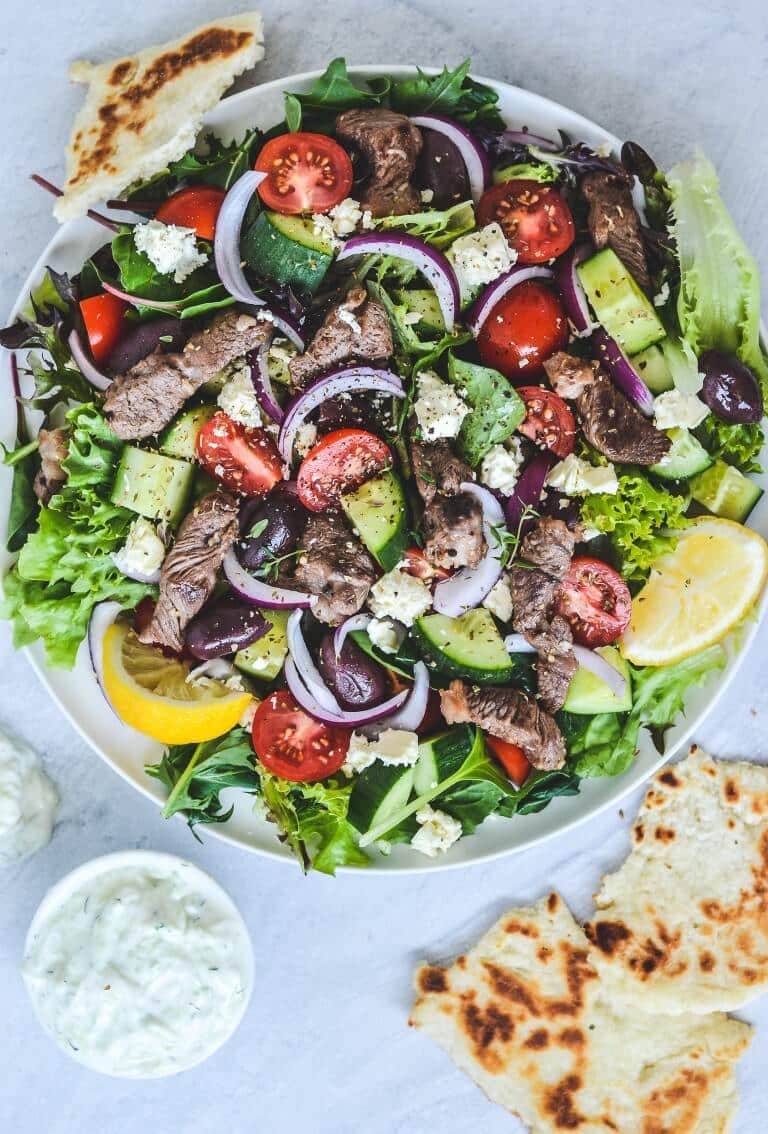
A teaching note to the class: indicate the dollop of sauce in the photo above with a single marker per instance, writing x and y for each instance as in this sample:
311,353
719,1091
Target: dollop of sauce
28,802
141,971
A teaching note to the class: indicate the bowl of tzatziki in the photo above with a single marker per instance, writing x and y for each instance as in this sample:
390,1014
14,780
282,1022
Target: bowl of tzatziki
138,964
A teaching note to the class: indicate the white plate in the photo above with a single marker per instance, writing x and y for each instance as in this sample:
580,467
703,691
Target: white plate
127,751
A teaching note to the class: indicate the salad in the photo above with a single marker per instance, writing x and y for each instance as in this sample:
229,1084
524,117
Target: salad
395,463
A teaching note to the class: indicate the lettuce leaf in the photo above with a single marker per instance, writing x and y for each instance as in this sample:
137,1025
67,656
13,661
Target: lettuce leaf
435,226
452,93
196,774
331,93
738,445
312,819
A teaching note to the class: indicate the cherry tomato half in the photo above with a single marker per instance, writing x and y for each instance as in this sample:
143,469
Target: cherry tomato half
595,600
525,327
548,421
416,563
104,320
195,207
306,173
340,463
535,219
292,744
511,757
245,460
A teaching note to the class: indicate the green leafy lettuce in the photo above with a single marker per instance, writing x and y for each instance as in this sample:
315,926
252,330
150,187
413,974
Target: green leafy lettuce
312,819
200,291
451,93
435,226
738,445
497,408
195,776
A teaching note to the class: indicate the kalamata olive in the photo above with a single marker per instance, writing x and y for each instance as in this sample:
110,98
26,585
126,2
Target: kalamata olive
166,333
278,521
224,625
560,507
441,168
351,411
730,388
357,680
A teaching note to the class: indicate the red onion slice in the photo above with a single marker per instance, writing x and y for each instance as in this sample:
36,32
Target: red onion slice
517,644
602,669
623,373
306,668
469,586
409,717
102,617
481,309
354,622
527,492
86,365
350,379
432,264
344,718
226,239
171,305
572,293
258,591
258,363
472,153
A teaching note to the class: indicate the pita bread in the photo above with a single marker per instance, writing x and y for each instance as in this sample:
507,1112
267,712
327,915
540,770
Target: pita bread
524,1014
683,925
145,110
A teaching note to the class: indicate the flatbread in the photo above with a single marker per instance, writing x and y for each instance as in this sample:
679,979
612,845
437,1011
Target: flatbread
683,925
524,1014
144,110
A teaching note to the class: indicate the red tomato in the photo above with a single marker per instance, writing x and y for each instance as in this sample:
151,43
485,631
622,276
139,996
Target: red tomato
292,744
104,322
245,460
536,220
416,563
306,173
524,328
595,600
547,421
511,757
195,207
340,463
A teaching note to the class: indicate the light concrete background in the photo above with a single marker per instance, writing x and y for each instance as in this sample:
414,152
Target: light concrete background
324,1048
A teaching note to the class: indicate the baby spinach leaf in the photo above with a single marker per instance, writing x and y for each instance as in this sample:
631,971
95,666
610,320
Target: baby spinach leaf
452,93
331,93
497,408
195,776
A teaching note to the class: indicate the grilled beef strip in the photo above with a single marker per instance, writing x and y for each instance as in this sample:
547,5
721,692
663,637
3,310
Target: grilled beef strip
391,145
437,469
335,567
357,328
613,221
508,714
53,451
142,401
609,421
188,574
453,531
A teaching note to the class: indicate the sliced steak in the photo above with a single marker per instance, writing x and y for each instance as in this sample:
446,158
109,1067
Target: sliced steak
549,545
613,221
453,530
333,565
391,145
437,469
142,401
508,714
189,572
609,421
50,476
357,329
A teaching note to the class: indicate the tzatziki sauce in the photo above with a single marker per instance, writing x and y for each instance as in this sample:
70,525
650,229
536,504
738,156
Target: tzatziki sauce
138,964
28,801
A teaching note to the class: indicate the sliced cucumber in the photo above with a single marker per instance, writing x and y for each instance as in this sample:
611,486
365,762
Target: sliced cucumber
287,249
726,492
302,231
470,646
441,756
379,792
423,302
378,513
589,695
618,302
685,459
652,367
264,658
152,484
202,485
180,437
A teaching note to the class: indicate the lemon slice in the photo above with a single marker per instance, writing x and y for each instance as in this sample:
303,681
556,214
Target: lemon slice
696,593
151,693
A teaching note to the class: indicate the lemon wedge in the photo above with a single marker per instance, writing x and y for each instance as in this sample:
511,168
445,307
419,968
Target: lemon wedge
152,693
696,593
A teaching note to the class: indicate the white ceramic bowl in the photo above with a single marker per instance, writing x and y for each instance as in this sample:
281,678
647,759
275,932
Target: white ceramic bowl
127,751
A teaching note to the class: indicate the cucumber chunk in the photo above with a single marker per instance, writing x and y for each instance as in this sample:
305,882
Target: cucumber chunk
588,694
470,646
440,757
726,492
685,459
423,302
652,367
378,512
379,792
180,437
618,302
152,484
286,249
264,658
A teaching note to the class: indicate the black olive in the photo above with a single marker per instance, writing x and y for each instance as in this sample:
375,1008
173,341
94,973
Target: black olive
356,679
277,521
441,168
224,625
730,388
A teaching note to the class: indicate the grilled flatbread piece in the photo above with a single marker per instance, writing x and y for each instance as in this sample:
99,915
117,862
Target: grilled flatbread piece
524,1014
683,925
145,110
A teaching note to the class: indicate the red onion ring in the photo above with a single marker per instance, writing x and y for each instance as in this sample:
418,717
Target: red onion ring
354,622
432,264
481,308
469,586
171,305
262,384
226,238
306,668
344,718
472,153
602,669
572,293
527,492
86,365
102,617
259,592
623,373
517,644
409,717
284,322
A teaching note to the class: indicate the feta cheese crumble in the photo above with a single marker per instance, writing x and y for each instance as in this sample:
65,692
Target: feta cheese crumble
394,746
499,599
322,226
439,409
662,295
349,317
143,551
437,831
500,467
385,635
400,596
481,257
306,435
427,196
171,248
673,409
576,477
238,399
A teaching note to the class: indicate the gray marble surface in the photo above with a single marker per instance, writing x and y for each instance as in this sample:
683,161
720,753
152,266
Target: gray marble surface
324,1048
